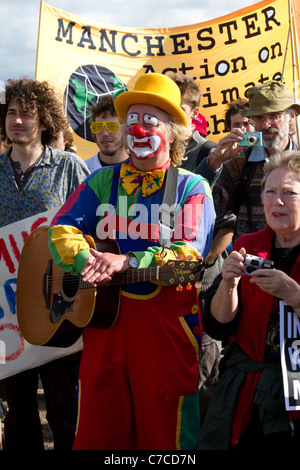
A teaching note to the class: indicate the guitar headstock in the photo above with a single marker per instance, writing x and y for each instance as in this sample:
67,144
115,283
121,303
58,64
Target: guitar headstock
176,272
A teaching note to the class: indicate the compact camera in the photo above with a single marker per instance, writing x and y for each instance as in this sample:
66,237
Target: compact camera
251,139
251,263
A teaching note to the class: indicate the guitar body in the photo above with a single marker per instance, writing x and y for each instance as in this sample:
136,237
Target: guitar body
54,307
55,313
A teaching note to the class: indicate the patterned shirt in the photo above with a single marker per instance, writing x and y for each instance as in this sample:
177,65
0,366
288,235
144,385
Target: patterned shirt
100,206
52,180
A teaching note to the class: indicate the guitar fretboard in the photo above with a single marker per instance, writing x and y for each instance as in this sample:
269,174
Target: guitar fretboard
175,272
131,276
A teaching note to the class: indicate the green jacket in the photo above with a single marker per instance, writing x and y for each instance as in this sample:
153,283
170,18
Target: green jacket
216,431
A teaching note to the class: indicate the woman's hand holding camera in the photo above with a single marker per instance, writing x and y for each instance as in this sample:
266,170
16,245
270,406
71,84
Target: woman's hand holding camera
278,284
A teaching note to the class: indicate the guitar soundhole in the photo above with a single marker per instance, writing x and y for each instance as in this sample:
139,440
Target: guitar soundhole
70,285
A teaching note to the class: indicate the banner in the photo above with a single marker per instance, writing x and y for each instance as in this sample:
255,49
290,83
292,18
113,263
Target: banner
85,59
16,354
295,17
290,355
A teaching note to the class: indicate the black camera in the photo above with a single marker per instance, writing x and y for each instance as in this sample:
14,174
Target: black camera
251,263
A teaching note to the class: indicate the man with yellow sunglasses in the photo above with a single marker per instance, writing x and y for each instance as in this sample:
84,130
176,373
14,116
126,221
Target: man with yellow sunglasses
106,126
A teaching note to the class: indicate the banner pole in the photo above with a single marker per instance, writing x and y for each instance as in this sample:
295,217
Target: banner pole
38,39
294,43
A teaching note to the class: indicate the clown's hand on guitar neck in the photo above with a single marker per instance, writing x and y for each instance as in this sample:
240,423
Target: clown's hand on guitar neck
100,267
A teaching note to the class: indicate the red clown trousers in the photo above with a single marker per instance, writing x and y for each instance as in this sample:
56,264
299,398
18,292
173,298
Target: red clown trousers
138,379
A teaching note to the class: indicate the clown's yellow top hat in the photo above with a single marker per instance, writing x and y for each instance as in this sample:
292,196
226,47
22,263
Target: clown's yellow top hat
154,89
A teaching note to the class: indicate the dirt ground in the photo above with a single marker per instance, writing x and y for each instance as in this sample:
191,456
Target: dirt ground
47,433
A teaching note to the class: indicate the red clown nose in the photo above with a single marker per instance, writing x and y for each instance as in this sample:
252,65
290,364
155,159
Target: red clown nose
138,132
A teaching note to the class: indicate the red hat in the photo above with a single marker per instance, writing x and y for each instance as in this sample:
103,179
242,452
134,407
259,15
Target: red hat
200,124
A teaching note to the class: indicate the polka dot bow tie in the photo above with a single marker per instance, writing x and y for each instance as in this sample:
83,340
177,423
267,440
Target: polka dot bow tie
131,178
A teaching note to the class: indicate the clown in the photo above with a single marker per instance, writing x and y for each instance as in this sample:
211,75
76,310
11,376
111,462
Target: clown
148,139
138,379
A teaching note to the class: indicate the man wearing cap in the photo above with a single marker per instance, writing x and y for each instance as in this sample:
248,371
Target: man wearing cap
138,378
273,113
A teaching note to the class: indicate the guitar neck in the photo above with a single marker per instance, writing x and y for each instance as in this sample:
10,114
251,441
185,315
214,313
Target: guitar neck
131,276
173,274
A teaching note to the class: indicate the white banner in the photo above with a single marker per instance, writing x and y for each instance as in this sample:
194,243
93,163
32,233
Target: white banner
290,355
16,354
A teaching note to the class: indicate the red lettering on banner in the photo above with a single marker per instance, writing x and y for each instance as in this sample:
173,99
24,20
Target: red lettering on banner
14,247
35,225
6,256
13,356
38,222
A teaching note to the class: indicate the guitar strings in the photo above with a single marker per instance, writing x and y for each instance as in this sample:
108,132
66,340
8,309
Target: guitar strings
55,280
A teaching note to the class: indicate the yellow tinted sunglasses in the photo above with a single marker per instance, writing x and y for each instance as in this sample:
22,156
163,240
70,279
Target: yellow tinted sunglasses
111,126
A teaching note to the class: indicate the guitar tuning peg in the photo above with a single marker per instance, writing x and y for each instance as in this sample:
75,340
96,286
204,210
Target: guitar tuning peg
180,257
189,286
189,258
198,285
179,288
199,258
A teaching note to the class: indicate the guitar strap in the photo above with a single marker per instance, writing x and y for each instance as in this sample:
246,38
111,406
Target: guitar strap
167,209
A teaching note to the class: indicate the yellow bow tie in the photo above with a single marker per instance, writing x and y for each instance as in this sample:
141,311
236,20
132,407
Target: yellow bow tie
131,178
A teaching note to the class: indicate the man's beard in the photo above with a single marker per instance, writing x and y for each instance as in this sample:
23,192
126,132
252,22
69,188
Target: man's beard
111,153
274,140
18,140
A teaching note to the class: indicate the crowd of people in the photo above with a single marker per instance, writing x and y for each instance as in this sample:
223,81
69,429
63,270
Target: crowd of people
182,366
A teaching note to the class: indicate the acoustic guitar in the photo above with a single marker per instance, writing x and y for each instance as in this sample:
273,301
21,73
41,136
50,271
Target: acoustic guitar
54,307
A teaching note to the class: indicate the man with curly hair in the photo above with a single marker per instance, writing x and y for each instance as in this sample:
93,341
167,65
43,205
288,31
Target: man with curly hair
33,117
35,178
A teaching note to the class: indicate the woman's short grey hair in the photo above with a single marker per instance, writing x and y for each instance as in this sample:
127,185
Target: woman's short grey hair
289,160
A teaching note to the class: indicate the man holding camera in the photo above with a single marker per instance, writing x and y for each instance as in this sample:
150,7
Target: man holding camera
238,190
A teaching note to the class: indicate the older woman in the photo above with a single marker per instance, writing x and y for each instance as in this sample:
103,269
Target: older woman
248,410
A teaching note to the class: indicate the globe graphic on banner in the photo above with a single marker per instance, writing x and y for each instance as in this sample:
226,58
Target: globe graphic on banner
86,86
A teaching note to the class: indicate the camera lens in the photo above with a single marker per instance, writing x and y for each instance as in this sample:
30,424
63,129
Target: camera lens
252,139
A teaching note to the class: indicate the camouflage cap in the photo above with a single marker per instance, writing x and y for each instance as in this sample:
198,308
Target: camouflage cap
270,97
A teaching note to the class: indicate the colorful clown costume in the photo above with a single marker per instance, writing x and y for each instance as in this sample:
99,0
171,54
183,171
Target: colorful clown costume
138,379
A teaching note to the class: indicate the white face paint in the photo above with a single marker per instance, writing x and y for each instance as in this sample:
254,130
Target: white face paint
145,147
144,141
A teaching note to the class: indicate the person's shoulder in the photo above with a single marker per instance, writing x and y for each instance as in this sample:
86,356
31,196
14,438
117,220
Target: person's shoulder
251,239
187,173
57,154
93,163
193,180
94,157
197,139
4,156
65,157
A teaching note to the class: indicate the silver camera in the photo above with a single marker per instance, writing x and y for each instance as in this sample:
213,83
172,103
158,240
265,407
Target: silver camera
251,263
251,139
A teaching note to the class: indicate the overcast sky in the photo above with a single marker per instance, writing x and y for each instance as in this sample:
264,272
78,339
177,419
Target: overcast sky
19,21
